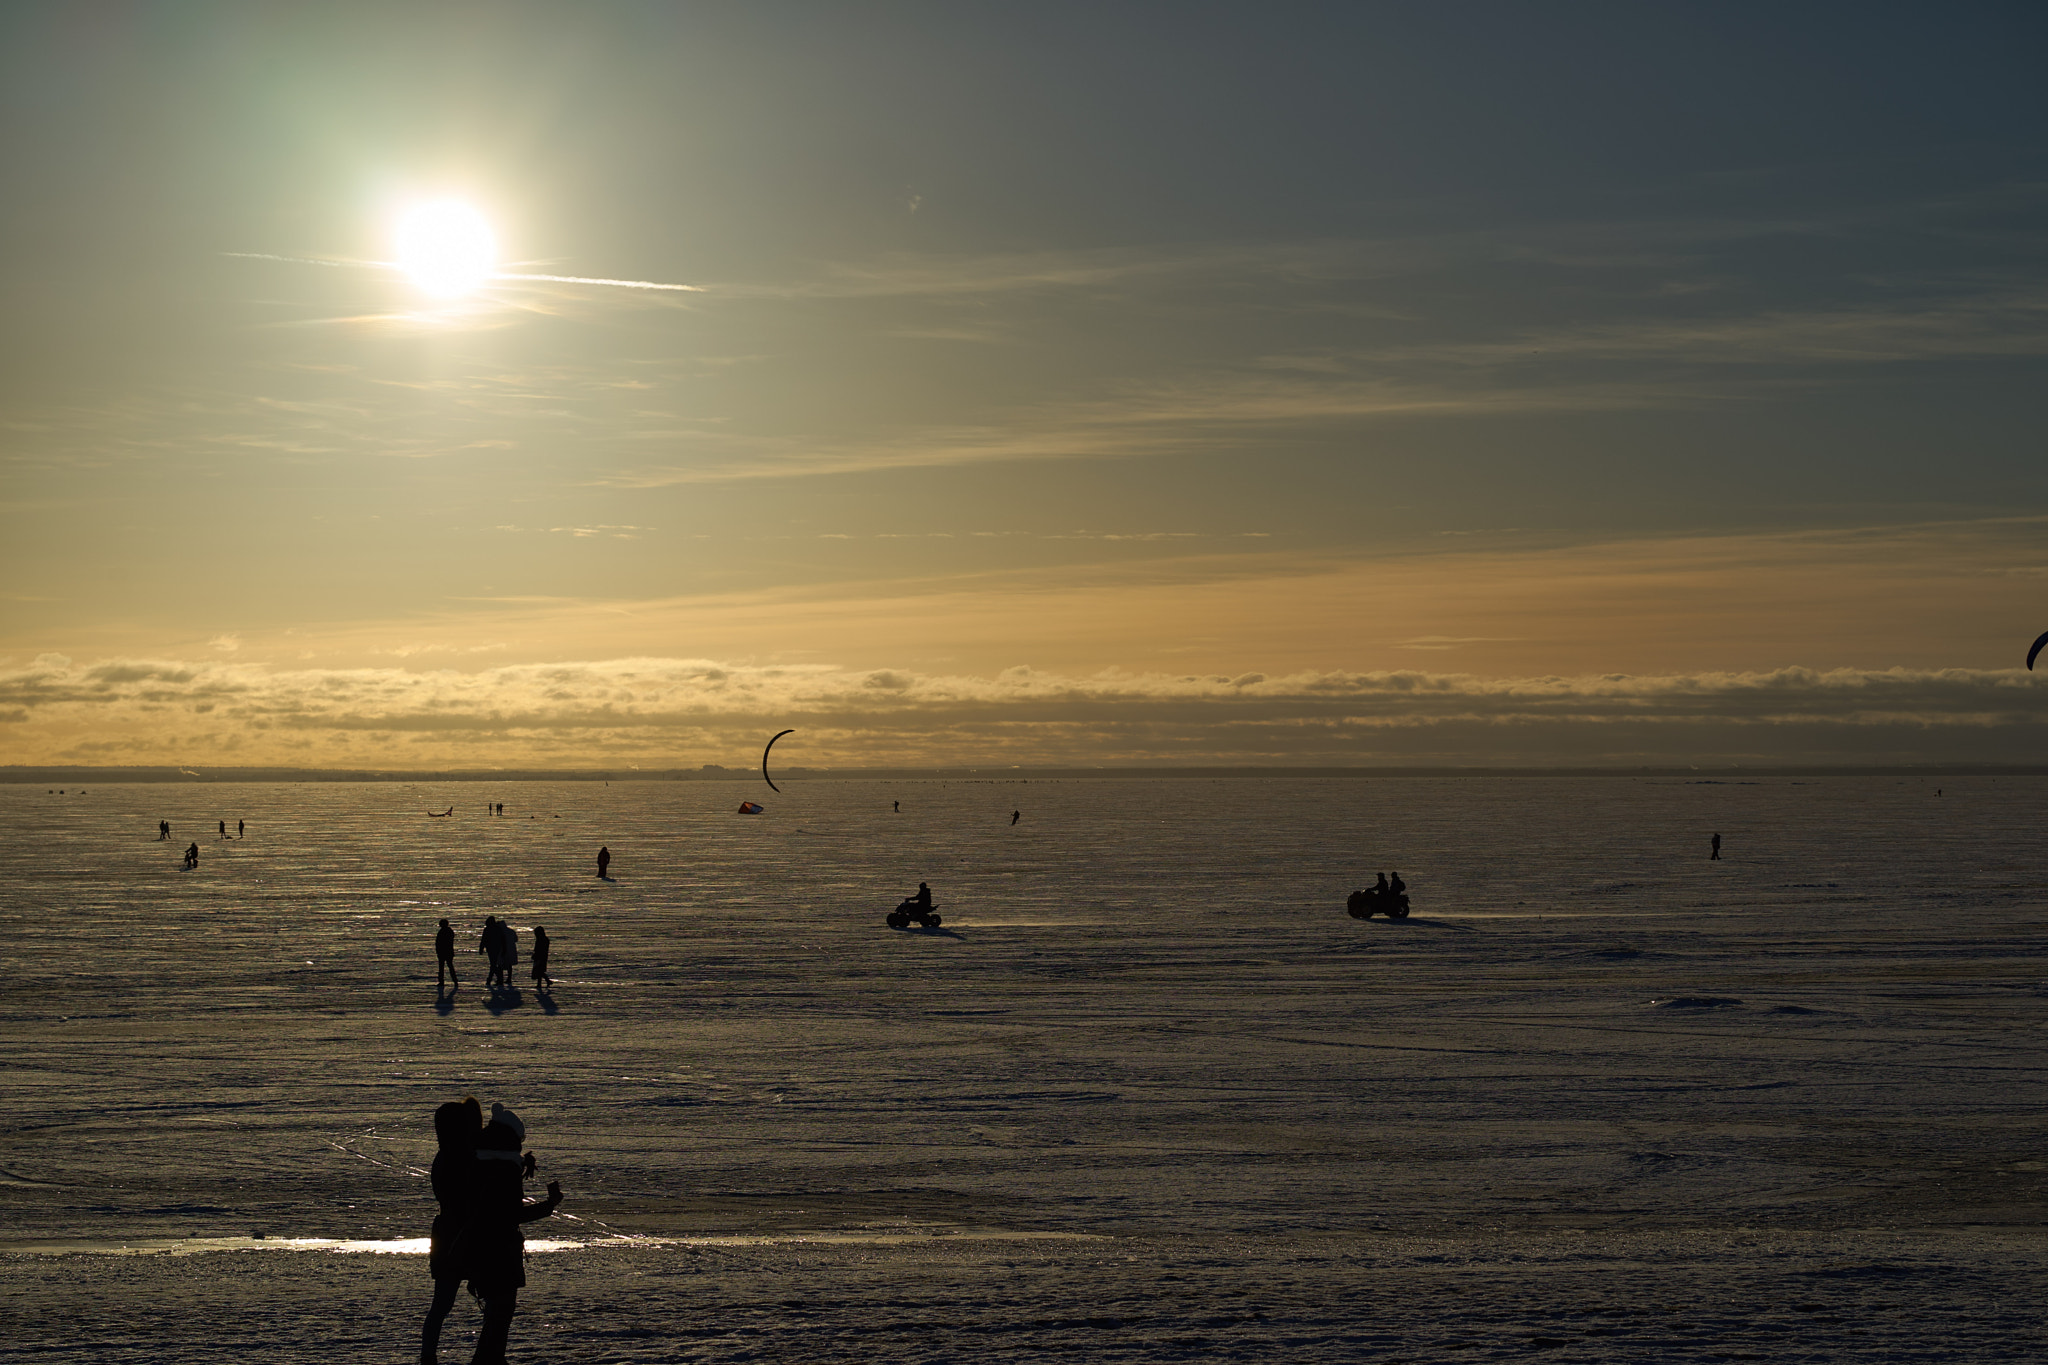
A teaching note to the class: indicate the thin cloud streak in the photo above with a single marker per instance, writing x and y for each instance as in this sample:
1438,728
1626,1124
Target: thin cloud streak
342,263
614,284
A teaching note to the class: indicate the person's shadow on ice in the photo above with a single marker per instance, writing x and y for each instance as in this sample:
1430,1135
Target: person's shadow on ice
508,998
444,1000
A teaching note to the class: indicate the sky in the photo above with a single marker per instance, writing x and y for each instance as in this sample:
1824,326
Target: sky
1136,384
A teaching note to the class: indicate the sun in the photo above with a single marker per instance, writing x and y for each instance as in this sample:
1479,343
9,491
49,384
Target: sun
446,247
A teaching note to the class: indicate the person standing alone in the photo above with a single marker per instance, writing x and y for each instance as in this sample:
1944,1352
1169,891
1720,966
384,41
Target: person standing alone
1715,856
541,979
604,862
444,956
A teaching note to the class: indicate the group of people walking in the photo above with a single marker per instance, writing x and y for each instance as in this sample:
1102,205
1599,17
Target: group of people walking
479,1179
499,943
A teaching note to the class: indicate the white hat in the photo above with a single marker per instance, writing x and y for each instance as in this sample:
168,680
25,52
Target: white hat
500,1114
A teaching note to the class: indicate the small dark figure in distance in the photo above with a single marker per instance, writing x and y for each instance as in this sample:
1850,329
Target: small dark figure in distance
240,826
604,862
924,896
192,857
1015,816
444,956
1715,856
541,979
223,829
508,953
896,806
1397,886
495,1247
487,944
163,830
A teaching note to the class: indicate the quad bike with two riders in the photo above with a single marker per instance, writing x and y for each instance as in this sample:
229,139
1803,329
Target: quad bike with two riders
1376,900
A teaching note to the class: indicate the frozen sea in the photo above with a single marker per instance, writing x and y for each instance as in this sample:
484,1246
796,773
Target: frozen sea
1148,1094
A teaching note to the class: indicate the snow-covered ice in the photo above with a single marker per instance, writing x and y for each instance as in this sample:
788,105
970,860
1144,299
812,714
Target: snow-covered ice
1147,1094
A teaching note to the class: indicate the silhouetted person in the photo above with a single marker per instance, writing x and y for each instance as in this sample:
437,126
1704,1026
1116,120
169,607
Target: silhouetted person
444,955
223,829
456,1128
239,827
163,830
487,944
1380,887
541,979
1015,816
604,860
192,857
896,806
508,953
495,1247
1397,886
1715,856
924,896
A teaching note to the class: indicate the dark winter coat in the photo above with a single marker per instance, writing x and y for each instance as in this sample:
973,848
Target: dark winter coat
494,1247
454,1177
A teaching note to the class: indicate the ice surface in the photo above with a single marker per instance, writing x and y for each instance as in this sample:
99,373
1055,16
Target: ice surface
1149,1093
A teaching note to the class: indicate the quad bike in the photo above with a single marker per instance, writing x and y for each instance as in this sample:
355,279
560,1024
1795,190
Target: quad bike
910,912
1373,901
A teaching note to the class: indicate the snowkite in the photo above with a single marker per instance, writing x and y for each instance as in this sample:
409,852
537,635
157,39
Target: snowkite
771,744
2036,650
750,808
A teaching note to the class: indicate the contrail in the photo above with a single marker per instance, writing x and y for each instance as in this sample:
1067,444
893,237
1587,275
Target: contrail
302,260
540,279
616,284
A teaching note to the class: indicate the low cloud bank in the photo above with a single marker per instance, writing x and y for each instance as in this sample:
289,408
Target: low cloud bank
683,712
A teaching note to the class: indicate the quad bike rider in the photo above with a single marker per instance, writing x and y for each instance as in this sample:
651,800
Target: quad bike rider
1384,898
917,909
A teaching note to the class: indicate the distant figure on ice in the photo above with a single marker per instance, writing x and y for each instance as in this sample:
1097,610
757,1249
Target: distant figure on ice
223,829
192,857
444,956
1715,856
541,979
1015,816
163,830
491,945
239,827
1397,886
508,953
924,896
604,862
896,806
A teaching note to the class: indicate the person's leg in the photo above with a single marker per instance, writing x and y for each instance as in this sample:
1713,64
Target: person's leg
437,1313
499,1306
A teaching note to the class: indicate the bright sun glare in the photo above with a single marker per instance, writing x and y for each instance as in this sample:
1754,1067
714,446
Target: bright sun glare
446,247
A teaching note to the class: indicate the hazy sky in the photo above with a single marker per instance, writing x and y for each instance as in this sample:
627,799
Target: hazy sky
1349,383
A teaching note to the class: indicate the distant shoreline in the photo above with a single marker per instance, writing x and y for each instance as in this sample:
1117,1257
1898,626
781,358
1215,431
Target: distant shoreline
28,776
